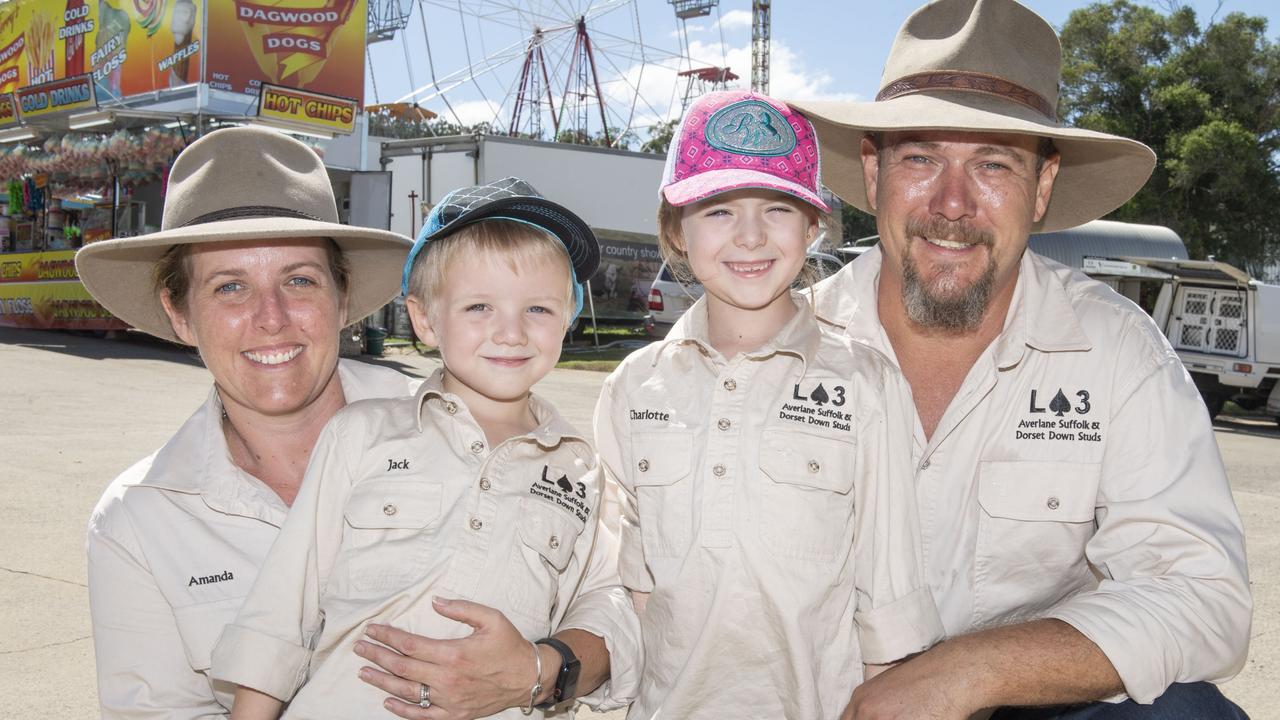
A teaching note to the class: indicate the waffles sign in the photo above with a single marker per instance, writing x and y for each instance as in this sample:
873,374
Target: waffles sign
307,108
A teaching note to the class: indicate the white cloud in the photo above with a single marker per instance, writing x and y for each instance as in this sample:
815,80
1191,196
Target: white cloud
735,19
469,112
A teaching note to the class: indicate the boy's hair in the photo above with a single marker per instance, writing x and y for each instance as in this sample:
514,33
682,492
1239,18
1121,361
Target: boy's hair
517,244
671,239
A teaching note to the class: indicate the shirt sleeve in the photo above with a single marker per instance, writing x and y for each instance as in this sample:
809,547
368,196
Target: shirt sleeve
143,670
601,606
268,647
896,615
1173,605
611,432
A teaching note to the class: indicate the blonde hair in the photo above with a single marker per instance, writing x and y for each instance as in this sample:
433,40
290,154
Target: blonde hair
671,239
517,244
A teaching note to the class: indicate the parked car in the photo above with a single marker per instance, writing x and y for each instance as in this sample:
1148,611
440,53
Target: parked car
669,298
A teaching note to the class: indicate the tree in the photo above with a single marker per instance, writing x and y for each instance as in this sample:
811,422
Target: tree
660,136
1207,100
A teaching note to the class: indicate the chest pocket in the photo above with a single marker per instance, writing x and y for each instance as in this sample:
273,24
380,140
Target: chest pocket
396,516
661,463
805,508
547,539
1035,521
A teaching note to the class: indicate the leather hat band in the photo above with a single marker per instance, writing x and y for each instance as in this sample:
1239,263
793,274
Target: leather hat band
966,81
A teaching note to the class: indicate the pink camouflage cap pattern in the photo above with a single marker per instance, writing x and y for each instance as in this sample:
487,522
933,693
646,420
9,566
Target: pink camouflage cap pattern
737,139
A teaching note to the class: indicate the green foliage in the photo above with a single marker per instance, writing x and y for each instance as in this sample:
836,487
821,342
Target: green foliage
660,136
1207,100
855,224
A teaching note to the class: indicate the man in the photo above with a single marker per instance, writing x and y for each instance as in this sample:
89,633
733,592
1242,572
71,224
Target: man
1079,535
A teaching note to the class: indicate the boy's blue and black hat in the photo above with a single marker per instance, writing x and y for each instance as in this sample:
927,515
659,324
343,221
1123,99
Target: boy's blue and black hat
510,199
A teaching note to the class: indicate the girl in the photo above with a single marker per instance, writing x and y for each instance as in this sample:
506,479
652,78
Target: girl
767,518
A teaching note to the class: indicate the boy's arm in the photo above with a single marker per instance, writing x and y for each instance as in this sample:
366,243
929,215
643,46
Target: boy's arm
253,705
268,647
895,611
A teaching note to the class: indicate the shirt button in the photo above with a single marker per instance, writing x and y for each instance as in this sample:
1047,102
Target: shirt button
643,465
814,466
718,470
1052,503
477,447
485,484
554,542
450,407
389,509
730,385
723,423
476,523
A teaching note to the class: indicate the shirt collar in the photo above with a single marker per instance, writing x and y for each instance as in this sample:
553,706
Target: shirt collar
196,459
552,429
1040,315
800,336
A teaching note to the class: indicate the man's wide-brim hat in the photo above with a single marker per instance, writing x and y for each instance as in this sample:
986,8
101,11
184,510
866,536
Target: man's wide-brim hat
239,184
982,66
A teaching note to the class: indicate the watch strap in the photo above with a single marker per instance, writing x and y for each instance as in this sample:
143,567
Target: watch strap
566,678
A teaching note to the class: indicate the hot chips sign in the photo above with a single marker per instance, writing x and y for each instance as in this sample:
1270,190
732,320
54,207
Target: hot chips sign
299,106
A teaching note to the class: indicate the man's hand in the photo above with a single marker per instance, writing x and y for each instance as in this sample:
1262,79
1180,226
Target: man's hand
490,670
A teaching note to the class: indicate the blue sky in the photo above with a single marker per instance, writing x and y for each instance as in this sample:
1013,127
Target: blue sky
831,49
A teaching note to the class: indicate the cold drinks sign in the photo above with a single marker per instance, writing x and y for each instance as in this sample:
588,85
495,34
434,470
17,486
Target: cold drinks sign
60,95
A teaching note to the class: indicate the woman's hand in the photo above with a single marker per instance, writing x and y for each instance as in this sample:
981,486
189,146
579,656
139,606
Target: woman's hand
490,670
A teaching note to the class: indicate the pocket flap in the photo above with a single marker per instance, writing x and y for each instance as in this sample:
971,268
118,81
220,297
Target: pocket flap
550,532
408,503
797,458
201,625
661,458
1039,491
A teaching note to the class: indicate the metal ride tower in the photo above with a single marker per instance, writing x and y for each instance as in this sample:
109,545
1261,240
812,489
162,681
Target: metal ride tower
760,31
699,80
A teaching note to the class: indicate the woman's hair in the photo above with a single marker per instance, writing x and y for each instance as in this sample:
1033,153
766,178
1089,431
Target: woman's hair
517,244
173,272
671,240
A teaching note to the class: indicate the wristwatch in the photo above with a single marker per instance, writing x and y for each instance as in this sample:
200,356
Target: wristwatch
567,678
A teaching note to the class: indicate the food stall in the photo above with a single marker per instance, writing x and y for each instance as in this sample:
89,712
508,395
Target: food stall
98,98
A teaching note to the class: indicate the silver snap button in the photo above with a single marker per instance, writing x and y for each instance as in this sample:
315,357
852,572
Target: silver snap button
477,447
730,385
485,484
643,465
723,423
450,407
554,542
814,466
1052,503
389,509
476,523
718,470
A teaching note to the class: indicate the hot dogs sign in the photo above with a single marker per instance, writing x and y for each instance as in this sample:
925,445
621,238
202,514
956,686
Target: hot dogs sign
131,47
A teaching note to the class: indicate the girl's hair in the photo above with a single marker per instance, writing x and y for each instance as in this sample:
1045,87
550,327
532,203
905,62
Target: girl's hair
517,244
173,272
671,240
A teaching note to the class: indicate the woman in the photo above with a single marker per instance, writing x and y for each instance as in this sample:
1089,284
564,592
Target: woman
252,269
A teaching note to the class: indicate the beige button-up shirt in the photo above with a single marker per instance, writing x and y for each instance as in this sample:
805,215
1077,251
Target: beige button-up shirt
404,500
763,509
1075,476
174,546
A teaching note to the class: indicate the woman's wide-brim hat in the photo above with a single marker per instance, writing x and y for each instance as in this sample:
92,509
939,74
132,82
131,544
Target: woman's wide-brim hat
981,66
239,184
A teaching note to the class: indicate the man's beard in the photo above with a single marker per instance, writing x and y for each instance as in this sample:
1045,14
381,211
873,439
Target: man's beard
943,304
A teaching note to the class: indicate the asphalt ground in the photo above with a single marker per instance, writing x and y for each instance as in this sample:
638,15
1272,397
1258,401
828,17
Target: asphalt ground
76,410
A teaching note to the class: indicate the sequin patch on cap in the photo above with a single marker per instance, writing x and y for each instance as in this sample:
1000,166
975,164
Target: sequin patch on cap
750,127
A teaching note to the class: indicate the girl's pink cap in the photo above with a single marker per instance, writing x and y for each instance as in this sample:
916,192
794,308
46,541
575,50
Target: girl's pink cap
736,139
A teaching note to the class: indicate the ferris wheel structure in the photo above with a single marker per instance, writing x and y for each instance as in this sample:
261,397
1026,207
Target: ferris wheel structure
573,70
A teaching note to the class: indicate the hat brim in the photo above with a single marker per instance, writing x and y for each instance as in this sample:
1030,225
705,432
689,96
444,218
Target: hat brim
576,236
119,273
707,184
1097,173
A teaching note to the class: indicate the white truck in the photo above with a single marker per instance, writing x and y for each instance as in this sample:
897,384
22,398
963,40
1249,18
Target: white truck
1223,324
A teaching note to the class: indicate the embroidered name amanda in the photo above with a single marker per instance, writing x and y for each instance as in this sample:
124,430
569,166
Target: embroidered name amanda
210,579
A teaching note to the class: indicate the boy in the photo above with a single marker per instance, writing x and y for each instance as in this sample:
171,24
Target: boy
472,489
